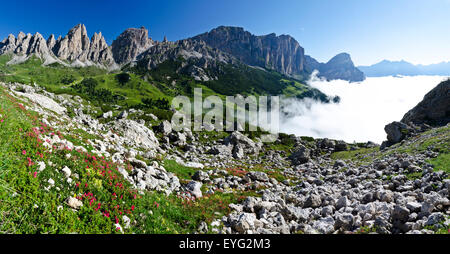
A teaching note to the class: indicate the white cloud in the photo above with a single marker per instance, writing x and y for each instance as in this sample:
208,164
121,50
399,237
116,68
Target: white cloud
364,110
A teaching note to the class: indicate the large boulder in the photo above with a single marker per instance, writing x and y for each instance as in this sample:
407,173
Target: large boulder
245,222
135,134
194,188
396,132
165,127
238,139
44,102
300,156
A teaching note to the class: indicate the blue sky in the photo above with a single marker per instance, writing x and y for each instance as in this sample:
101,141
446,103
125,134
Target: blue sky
370,30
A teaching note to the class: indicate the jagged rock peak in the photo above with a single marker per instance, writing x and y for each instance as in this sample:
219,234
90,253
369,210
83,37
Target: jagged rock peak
8,44
129,44
99,52
37,45
51,41
75,45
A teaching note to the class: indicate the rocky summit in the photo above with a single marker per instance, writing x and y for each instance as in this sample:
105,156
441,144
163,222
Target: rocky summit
339,67
130,44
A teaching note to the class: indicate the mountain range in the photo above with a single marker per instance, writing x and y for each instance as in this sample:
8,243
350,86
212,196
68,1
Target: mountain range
393,68
202,55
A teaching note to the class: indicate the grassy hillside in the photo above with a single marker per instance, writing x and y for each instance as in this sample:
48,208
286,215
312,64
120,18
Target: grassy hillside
436,140
33,198
142,88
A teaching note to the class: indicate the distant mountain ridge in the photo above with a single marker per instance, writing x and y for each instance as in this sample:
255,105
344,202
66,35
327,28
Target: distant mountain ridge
227,45
393,68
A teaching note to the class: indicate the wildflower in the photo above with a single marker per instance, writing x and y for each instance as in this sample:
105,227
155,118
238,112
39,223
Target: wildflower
35,174
24,152
132,207
30,163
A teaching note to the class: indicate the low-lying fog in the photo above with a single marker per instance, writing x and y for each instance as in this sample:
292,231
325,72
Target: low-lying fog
364,110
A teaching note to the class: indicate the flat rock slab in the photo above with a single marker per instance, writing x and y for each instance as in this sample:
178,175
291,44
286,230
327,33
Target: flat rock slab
44,102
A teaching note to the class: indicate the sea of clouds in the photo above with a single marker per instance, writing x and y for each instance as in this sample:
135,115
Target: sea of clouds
365,107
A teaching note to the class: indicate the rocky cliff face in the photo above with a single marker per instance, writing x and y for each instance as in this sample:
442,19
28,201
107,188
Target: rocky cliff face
281,53
130,44
196,57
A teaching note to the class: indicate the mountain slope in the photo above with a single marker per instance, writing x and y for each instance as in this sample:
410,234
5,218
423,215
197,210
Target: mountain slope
64,173
434,109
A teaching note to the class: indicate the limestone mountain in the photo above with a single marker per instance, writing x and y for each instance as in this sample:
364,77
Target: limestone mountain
197,58
339,67
25,45
224,45
281,53
75,48
130,44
